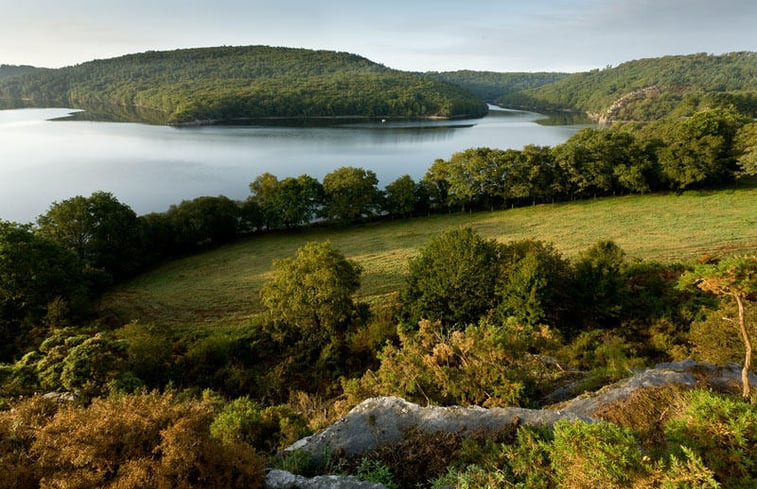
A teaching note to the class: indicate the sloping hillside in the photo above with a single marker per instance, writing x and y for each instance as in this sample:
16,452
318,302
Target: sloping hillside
237,83
491,85
649,89
13,70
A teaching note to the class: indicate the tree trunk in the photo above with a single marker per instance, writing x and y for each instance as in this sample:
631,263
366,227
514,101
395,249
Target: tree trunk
748,344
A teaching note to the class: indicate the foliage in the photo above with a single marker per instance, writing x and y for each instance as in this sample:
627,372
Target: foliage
534,283
374,471
588,455
286,203
309,310
40,282
141,440
722,432
313,291
267,429
491,85
649,88
86,365
599,283
102,231
242,83
736,278
745,145
401,198
350,194
203,222
452,279
712,338
699,150
480,365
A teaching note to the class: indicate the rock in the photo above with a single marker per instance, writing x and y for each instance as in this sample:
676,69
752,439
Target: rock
60,396
687,373
381,421
281,479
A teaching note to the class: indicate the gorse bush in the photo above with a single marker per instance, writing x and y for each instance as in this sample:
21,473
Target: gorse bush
482,365
134,441
722,432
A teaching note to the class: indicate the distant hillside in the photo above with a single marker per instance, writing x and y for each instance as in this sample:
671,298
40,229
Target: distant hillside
13,70
491,85
649,89
241,83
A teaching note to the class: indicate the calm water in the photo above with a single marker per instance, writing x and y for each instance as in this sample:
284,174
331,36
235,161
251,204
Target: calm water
151,167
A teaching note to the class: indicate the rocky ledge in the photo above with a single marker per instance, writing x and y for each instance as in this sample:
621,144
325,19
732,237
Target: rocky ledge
384,421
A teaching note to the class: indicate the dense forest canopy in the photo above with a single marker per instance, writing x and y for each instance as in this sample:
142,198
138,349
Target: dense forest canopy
491,85
648,89
13,70
237,83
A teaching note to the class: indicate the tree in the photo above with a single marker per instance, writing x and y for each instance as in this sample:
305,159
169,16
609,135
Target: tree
746,150
101,230
400,197
699,150
474,177
533,283
39,279
452,279
350,194
599,283
312,291
308,312
286,203
204,221
735,278
599,161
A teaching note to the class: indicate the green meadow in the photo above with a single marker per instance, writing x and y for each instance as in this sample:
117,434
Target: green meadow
220,288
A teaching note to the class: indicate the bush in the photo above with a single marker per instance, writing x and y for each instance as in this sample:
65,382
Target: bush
591,455
134,441
266,429
452,279
720,430
714,339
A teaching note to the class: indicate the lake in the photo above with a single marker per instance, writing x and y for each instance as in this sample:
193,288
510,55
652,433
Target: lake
151,167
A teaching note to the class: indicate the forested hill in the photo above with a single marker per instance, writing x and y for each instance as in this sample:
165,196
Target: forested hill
13,70
491,85
237,83
649,89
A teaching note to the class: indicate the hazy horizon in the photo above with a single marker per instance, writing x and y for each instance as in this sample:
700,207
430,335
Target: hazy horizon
539,35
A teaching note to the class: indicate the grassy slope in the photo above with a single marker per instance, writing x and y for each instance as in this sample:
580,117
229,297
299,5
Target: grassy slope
220,287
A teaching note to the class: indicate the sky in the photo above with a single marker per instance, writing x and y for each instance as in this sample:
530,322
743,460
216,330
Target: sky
436,35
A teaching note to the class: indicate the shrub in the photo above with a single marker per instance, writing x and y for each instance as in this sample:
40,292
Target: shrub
266,429
720,430
591,455
713,340
144,440
454,367
452,279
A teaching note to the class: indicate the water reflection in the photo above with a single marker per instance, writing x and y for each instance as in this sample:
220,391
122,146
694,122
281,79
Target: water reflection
151,167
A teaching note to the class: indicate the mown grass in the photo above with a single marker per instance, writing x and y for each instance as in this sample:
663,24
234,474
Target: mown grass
220,288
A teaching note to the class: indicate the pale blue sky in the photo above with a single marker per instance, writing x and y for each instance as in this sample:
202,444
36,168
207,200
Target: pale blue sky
506,35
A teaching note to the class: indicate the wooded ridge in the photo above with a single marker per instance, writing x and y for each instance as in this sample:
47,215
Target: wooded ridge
243,83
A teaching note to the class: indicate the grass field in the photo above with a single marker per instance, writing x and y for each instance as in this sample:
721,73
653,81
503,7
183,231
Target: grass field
220,288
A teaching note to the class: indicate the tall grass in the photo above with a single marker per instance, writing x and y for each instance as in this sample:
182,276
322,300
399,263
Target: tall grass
220,287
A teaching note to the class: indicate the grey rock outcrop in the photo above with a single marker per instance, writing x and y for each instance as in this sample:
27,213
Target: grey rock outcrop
280,479
384,421
687,373
381,421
